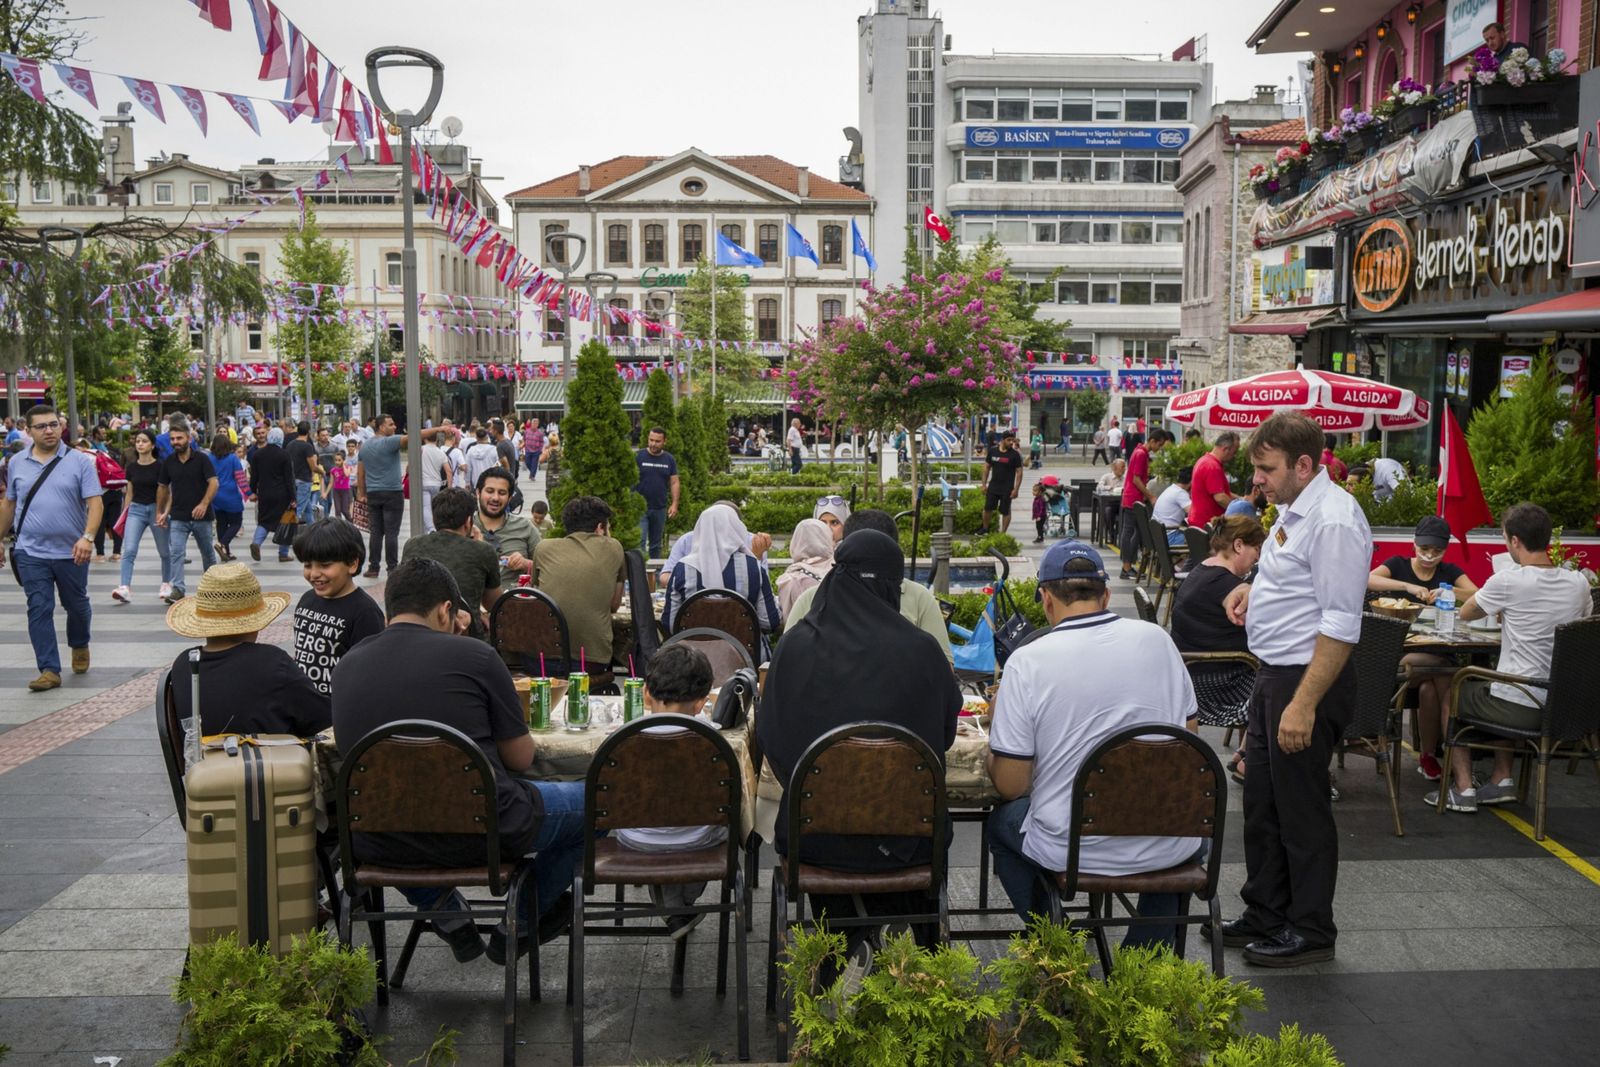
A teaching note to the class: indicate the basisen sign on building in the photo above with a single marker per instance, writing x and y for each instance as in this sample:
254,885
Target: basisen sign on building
1045,138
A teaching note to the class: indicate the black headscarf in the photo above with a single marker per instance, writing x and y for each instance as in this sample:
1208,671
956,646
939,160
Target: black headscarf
855,658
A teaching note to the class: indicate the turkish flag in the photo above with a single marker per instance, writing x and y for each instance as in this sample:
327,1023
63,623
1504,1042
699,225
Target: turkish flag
1461,501
934,223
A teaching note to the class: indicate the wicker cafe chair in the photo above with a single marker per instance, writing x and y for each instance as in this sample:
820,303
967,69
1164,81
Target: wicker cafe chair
874,779
1222,683
725,610
1198,543
414,776
662,770
1569,714
1143,605
1375,730
1156,781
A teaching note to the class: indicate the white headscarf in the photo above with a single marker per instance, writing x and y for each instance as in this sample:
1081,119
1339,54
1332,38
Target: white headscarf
275,436
719,535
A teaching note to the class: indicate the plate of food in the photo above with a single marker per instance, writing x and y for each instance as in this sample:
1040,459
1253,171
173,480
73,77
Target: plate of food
1396,608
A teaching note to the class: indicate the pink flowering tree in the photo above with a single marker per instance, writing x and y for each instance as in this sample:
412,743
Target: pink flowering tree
933,347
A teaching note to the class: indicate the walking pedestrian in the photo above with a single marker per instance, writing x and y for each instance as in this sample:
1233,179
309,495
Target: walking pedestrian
229,501
1302,618
187,486
144,475
797,444
532,445
272,484
658,484
53,502
113,480
1100,448
378,486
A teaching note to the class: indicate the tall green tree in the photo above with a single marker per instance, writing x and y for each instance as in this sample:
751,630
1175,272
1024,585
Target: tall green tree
314,266
40,141
1538,445
658,409
694,471
714,418
596,459
163,359
741,373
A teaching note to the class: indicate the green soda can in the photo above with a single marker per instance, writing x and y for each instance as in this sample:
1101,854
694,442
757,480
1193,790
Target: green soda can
539,704
578,701
632,699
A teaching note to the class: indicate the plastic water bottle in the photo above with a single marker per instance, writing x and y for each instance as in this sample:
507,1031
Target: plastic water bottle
1445,609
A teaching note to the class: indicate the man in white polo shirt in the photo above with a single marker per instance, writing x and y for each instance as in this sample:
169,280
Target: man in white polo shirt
1302,619
1047,718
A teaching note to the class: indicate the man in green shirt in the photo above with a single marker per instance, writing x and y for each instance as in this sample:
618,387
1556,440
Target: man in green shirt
583,573
456,543
511,536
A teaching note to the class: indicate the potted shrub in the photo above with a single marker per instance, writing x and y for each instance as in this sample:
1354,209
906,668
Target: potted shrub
1521,99
1407,107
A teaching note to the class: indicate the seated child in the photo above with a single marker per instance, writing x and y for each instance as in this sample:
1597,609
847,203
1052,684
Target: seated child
677,680
541,517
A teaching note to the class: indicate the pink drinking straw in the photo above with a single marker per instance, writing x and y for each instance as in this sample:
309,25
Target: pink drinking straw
541,665
583,664
631,672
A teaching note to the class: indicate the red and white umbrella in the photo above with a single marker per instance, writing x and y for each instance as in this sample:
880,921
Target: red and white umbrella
1339,403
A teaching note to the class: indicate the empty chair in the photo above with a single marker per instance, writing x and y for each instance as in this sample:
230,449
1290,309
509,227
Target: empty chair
646,628
726,653
527,622
1374,729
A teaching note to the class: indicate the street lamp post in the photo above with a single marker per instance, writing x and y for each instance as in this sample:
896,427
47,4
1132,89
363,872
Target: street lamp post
553,253
396,56
47,236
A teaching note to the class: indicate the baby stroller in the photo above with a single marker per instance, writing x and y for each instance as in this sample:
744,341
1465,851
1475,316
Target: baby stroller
1058,507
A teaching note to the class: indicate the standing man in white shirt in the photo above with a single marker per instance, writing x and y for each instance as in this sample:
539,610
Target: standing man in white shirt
1114,439
1532,599
797,444
1302,619
436,474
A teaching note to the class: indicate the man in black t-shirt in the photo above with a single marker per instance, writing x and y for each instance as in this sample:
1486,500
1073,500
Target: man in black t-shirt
504,447
658,484
184,489
1002,477
304,465
417,668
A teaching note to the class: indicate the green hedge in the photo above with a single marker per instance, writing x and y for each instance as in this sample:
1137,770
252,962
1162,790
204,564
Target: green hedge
969,606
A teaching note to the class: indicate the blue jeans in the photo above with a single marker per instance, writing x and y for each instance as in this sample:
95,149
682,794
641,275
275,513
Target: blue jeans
559,847
178,544
531,459
142,517
653,531
1023,879
305,502
42,581
260,538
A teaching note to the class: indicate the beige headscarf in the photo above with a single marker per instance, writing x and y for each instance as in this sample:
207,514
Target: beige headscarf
811,548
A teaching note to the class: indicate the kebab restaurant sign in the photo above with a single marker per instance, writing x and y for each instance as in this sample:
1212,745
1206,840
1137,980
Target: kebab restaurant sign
1380,269
1467,246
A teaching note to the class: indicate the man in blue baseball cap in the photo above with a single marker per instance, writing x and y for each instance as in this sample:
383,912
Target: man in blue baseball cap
1046,720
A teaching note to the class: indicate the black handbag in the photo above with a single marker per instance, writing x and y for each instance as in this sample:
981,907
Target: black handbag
1011,627
288,524
735,700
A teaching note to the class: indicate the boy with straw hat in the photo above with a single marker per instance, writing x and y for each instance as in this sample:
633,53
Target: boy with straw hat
245,687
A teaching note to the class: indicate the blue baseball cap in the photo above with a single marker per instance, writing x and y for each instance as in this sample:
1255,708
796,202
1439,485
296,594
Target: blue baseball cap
1054,564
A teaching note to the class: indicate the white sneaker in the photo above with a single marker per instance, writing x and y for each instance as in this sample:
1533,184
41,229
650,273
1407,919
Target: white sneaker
165,591
120,594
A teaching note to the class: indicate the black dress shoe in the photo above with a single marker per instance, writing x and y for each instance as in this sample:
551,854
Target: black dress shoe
1236,933
465,943
1286,949
552,924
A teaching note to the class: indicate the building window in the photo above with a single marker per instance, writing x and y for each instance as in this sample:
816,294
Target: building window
832,244
1432,56
163,192
1143,350
44,193
619,328
1169,233
1012,169
733,232
1538,27
391,269
1046,170
1044,233
1353,92
1205,257
252,262
1077,105
1011,231
974,232
252,336
199,192
1137,232
1105,233
1013,106
767,318
1072,292
1108,106
1139,169
979,169
694,243
832,308
1168,293
654,237
197,338
555,327
1137,293
978,105
1139,106
1174,105
1076,168
1102,292
1046,105
617,244
554,253
1108,170
767,242
1074,233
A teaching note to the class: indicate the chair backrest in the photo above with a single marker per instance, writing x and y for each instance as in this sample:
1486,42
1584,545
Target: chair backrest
726,652
1571,710
1142,604
171,733
646,632
1082,496
1149,781
874,779
663,770
1594,600
417,776
1198,542
528,621
725,610
1161,551
1377,658
1141,525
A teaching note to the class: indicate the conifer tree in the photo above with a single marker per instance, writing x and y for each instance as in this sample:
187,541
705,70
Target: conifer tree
693,471
658,408
596,459
714,420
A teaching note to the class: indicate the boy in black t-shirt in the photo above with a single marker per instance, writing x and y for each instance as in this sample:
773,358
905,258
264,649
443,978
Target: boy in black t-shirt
334,614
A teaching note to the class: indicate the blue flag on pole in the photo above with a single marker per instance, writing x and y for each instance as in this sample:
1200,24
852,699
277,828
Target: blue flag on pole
799,246
730,254
859,245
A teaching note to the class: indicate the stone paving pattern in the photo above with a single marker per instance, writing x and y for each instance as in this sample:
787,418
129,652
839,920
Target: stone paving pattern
1462,941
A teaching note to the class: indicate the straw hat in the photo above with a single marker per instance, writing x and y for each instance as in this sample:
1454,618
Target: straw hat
229,601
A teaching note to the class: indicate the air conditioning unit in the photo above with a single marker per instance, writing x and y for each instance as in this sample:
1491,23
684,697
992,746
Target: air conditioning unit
99,200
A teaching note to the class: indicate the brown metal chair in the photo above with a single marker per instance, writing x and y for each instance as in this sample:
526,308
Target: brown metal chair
1145,565
414,776
725,651
1143,605
1374,730
725,610
1164,569
528,622
1198,542
873,779
1146,781
1569,714
662,770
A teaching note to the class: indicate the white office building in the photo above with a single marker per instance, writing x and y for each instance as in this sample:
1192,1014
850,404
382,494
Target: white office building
1069,160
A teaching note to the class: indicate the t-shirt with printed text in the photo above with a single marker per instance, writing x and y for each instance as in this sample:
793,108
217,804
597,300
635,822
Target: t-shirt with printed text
325,629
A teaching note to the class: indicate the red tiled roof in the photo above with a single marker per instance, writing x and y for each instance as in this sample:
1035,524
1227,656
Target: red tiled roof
1286,132
769,169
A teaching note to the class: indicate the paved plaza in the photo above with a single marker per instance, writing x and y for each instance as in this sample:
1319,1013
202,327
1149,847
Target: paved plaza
1464,941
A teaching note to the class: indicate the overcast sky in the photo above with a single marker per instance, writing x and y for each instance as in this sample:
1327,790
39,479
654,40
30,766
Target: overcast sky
541,87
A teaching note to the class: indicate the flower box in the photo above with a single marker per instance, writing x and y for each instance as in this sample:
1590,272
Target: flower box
1407,120
1326,156
1265,189
1511,117
1358,143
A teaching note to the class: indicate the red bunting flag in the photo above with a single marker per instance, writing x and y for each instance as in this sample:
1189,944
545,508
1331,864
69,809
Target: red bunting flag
275,56
145,92
1461,501
25,72
215,12
934,223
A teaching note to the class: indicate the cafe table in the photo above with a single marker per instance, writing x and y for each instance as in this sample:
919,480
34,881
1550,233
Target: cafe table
1475,639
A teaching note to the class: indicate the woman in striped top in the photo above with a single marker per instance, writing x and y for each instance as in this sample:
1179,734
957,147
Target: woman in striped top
721,559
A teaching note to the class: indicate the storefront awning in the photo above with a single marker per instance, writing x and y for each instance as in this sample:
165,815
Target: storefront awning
1575,311
1430,327
1283,323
